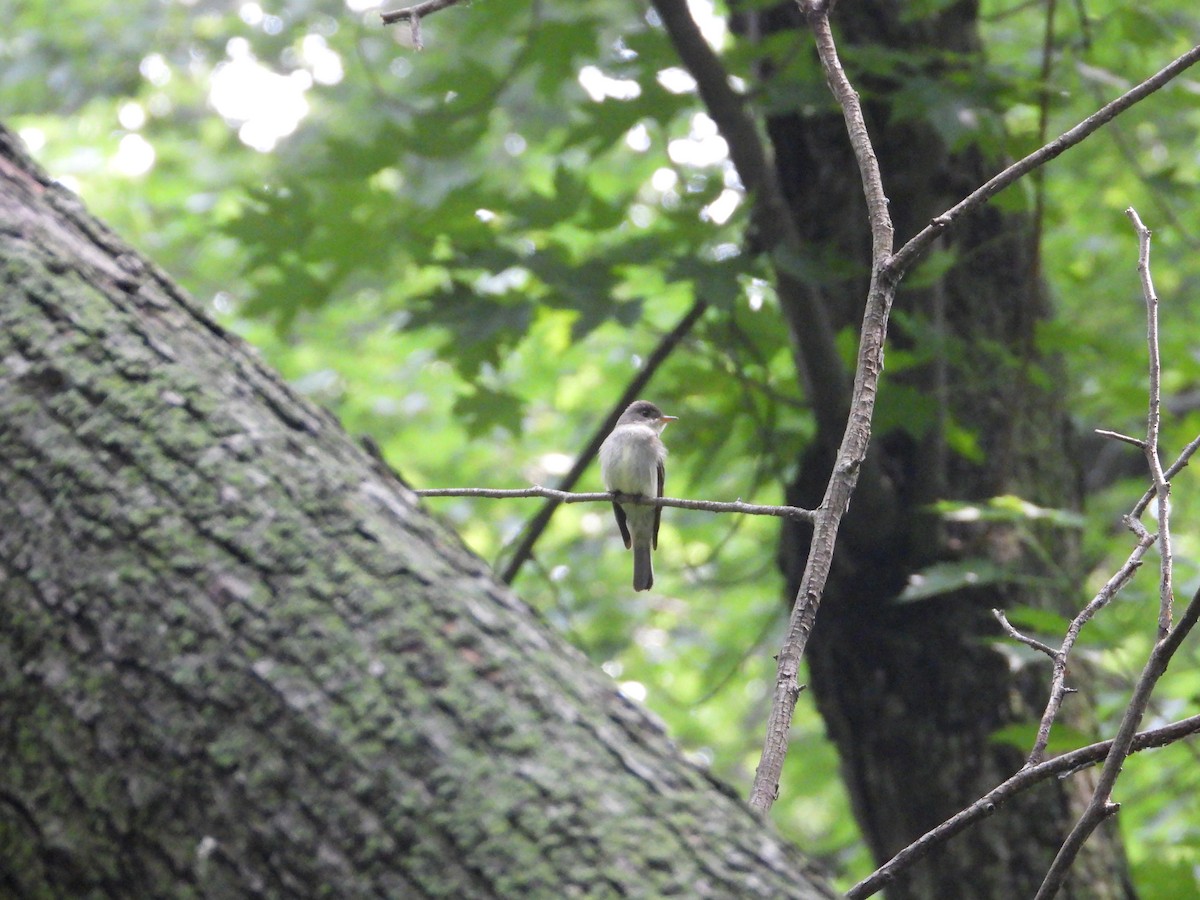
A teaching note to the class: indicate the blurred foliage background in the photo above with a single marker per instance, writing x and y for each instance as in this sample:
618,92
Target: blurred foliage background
466,252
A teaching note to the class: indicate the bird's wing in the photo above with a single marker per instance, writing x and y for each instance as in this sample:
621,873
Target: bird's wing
620,513
662,477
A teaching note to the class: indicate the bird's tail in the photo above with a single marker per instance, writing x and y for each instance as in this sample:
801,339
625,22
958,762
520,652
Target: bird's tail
643,569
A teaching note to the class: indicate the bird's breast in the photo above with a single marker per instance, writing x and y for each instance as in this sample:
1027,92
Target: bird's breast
629,462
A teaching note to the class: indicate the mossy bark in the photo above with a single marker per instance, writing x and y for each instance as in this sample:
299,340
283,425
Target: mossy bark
237,659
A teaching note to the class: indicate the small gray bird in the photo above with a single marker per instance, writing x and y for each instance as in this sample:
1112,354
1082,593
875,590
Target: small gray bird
631,462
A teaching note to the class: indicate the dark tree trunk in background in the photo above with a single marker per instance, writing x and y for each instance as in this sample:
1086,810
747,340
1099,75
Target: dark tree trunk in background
912,692
238,660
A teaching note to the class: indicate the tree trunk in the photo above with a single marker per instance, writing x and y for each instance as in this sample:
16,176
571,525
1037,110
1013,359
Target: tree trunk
913,692
238,660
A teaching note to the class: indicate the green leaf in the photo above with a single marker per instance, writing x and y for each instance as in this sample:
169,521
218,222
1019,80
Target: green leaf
1022,735
480,327
1041,621
483,409
1167,879
1006,508
948,577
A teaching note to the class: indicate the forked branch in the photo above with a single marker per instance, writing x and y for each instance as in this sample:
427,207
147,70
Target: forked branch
1101,806
1026,778
853,449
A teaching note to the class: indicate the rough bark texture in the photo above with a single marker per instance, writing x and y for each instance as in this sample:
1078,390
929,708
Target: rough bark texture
238,660
912,693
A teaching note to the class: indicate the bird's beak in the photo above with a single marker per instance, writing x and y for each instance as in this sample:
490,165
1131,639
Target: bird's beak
666,419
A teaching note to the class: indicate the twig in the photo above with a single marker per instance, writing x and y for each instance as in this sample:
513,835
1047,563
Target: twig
1176,467
1115,751
1100,806
907,254
1024,639
1058,678
1117,436
416,11
736,506
1162,487
857,434
1006,790
1145,540
533,530
1159,486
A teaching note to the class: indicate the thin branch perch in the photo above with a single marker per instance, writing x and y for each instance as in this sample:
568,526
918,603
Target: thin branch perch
736,506
416,11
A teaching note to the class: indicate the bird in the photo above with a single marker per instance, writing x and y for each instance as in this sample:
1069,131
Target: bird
631,462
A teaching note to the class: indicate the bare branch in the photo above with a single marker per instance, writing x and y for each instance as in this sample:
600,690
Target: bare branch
1117,436
1100,806
1024,639
1162,487
1176,467
736,506
1006,790
416,11
1145,540
1058,679
857,435
860,140
754,166
908,254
